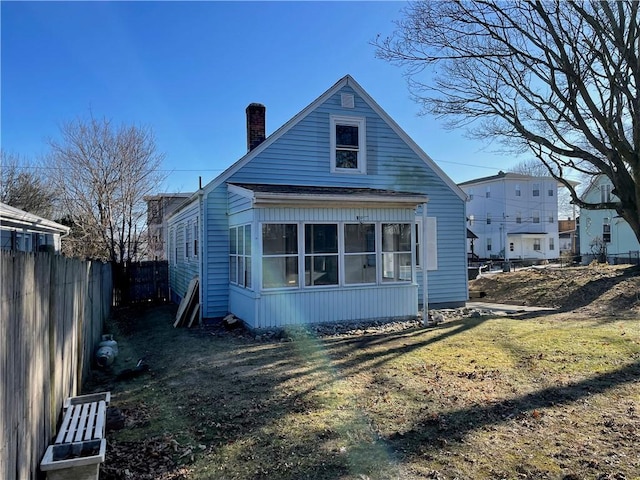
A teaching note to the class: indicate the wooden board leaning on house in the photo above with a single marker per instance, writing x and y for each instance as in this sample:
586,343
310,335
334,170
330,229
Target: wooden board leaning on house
189,305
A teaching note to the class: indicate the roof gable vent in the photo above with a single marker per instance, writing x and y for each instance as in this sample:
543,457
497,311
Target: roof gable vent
347,100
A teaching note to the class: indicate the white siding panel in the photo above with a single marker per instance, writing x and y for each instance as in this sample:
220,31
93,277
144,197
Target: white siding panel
241,304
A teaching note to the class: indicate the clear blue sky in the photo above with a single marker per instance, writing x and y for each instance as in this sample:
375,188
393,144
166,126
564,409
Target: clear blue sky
189,69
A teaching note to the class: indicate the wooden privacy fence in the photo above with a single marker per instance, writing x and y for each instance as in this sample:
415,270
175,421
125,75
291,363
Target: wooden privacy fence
52,311
138,282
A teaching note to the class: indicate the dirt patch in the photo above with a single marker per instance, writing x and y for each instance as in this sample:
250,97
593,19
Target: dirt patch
595,289
478,396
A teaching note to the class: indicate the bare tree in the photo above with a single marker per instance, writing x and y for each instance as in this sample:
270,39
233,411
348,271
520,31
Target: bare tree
23,186
530,167
559,79
103,173
535,168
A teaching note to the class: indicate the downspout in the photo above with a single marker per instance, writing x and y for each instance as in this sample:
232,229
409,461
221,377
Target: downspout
201,247
425,263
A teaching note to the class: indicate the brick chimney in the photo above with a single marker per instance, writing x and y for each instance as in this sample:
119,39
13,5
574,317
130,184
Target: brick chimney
256,125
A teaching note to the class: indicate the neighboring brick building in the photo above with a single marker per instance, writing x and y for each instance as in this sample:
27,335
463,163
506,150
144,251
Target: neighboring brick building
159,207
567,235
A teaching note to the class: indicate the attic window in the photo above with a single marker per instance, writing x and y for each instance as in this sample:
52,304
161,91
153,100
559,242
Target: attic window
348,145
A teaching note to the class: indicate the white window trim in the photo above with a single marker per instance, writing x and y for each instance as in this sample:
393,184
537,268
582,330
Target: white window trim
187,240
539,243
535,190
262,256
343,254
248,259
301,248
195,239
362,143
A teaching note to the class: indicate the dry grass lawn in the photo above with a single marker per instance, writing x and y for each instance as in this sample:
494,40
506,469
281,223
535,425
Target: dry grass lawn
547,397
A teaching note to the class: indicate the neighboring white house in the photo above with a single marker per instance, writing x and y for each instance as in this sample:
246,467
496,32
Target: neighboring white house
26,232
337,215
515,216
607,226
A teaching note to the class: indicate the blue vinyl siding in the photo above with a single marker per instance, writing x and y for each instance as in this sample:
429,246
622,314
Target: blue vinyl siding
183,269
301,156
215,291
238,203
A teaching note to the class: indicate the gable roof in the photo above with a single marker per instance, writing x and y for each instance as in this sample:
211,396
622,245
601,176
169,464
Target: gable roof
502,175
347,80
12,217
595,183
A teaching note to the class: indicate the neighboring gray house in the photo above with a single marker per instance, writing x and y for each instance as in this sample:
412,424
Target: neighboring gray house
338,215
26,232
515,216
159,207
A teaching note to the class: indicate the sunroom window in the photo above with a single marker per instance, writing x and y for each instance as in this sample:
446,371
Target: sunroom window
320,254
396,252
279,255
359,253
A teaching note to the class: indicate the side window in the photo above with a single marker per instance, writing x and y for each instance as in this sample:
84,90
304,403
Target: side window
240,256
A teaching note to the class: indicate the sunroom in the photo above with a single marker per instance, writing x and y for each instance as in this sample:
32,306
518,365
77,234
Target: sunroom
300,254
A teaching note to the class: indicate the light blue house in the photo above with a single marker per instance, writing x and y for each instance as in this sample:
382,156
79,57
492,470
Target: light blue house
605,226
336,216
